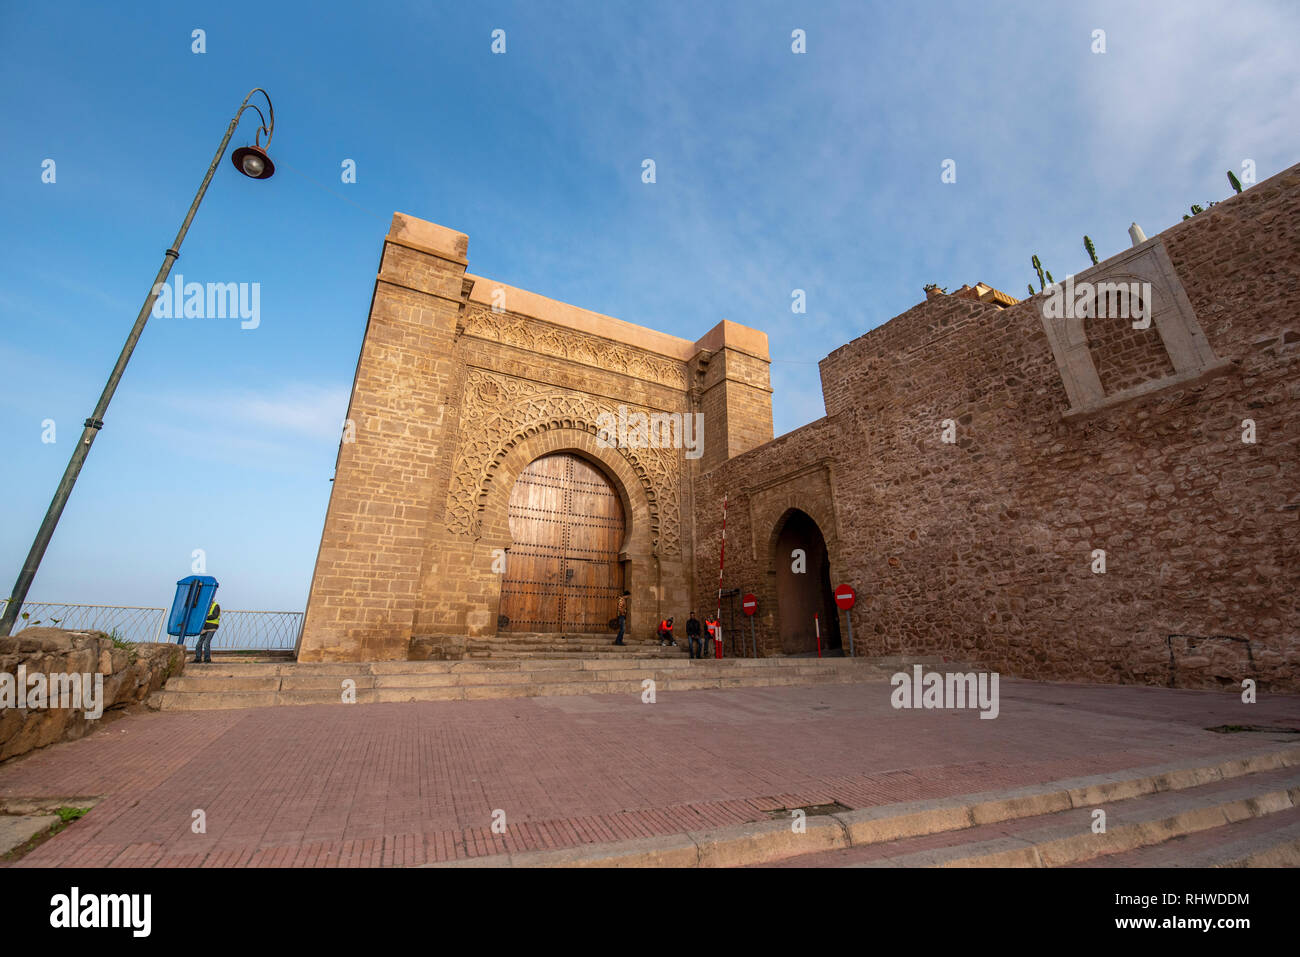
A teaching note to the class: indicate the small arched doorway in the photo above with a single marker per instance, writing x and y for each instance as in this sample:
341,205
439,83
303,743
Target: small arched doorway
803,586
562,569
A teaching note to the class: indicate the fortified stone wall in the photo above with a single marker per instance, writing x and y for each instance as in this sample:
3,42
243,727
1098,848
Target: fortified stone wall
462,382
1072,435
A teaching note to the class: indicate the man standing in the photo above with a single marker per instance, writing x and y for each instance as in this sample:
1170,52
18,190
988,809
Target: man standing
203,649
622,617
693,636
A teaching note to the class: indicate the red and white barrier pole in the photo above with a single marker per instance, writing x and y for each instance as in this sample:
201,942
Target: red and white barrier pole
722,557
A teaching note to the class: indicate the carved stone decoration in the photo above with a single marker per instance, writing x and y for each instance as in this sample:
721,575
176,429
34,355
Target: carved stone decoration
498,412
552,340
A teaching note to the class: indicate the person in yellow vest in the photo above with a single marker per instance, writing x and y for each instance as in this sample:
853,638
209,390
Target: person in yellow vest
203,649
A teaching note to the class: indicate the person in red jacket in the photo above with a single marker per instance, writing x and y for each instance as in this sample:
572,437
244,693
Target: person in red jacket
666,632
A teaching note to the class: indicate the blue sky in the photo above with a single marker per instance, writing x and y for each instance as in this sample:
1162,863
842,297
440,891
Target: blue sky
775,172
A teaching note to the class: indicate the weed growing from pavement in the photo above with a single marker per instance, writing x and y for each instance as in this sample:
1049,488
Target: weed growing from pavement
67,816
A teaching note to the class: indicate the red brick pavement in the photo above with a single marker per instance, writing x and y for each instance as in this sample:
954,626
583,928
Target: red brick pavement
402,784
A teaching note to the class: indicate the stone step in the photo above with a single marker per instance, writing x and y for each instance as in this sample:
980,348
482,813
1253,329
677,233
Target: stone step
579,663
1234,809
536,655
731,677
1066,837
1269,841
244,686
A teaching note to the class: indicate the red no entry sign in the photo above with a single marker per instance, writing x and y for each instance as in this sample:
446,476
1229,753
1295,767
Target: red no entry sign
749,603
845,596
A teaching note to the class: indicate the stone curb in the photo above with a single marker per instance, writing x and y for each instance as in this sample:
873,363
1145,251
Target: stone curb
766,841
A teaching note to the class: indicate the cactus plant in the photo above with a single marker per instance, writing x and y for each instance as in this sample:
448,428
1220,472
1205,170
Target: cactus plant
1234,182
1092,250
1030,287
1038,268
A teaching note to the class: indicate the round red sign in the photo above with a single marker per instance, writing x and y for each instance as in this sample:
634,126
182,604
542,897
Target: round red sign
750,604
845,596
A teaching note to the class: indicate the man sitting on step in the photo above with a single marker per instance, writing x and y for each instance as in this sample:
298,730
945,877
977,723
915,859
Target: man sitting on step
666,633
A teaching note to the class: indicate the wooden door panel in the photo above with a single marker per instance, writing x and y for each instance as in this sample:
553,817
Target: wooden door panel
567,526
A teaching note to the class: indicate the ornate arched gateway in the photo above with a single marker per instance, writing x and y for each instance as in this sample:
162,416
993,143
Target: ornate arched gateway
567,527
474,483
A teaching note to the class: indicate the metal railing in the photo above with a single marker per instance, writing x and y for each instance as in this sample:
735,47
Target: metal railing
239,631
128,622
255,631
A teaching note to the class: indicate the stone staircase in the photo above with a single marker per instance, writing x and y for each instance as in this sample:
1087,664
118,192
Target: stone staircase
525,646
1234,810
607,671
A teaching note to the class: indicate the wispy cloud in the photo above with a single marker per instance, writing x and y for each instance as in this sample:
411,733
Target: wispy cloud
294,409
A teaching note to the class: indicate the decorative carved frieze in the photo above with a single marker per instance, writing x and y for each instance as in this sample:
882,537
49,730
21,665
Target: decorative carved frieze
552,340
498,412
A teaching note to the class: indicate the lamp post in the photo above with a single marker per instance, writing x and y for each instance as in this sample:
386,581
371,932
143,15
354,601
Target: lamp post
253,162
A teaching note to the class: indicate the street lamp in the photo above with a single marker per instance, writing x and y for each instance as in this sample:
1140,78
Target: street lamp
253,162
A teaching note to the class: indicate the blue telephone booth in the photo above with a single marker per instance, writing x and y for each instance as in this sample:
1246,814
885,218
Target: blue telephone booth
190,607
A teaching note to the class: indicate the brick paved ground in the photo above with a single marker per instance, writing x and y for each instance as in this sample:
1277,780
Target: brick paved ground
404,784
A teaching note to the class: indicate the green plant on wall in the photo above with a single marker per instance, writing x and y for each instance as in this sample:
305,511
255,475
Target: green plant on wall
1092,250
1030,287
1038,268
1234,182
1198,208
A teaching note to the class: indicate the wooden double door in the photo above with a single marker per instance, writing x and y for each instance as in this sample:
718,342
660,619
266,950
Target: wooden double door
562,571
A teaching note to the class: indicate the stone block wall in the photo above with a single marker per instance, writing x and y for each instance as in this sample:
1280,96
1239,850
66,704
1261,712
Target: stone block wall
984,549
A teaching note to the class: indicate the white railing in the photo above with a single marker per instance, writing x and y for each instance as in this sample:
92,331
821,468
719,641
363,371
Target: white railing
127,622
239,631
256,631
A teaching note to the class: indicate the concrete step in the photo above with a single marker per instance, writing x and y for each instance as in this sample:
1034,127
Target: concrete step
1269,841
221,686
1235,809
1066,837
576,663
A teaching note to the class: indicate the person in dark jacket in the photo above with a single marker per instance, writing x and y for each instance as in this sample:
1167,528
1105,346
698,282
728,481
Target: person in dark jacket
693,636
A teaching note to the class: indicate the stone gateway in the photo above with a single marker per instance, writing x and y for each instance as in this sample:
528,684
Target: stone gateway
1052,493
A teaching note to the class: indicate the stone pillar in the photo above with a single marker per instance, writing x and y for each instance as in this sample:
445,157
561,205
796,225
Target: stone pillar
366,583
736,393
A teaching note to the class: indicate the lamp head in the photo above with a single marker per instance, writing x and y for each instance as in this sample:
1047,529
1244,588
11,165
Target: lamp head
253,162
